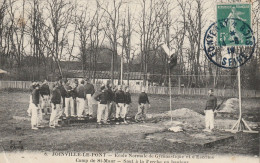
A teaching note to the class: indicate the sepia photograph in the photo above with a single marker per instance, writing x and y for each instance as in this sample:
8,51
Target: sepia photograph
129,81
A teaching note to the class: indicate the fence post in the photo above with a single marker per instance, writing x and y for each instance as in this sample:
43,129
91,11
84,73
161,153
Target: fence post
179,84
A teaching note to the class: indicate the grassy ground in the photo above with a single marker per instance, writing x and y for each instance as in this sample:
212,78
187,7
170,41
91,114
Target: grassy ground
123,138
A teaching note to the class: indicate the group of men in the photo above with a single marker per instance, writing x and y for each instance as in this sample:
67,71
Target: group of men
75,98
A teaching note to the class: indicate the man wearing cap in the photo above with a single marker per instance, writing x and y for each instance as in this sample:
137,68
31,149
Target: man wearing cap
89,90
74,86
69,102
60,110
29,110
35,106
56,104
143,101
211,105
128,102
111,99
120,103
81,96
63,91
102,112
45,94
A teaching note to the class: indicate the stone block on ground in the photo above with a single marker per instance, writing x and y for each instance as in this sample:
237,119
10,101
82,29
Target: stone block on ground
175,129
192,137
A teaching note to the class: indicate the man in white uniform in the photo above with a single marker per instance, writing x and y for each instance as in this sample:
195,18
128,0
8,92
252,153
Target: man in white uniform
209,111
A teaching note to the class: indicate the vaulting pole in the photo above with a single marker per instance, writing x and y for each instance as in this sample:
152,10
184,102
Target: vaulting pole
170,89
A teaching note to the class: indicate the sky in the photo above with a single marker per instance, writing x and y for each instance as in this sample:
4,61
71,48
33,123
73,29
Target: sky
209,16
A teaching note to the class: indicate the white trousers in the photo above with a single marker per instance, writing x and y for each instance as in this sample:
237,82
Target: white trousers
34,115
39,115
89,104
102,112
209,119
69,105
54,114
127,106
120,110
80,106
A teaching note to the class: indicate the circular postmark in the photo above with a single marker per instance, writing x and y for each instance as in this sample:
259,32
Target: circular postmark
229,43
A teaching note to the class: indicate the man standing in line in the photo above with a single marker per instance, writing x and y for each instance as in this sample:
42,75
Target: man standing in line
75,85
128,102
209,111
120,103
81,96
45,94
35,108
60,110
56,104
143,101
89,90
31,105
69,102
111,98
63,91
102,112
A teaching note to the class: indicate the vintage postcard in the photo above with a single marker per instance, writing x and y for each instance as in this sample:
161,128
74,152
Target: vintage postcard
129,81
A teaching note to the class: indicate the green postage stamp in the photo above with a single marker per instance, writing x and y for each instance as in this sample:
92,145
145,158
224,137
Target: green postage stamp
233,21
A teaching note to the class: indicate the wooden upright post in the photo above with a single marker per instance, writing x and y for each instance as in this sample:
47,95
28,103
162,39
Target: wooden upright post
122,64
241,124
170,89
239,92
179,85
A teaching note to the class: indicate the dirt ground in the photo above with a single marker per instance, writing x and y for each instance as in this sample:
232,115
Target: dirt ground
123,138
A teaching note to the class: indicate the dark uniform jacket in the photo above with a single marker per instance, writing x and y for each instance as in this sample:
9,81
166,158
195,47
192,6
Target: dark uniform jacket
62,91
143,98
56,96
128,98
69,91
89,88
120,97
102,97
45,90
36,96
81,92
111,95
211,103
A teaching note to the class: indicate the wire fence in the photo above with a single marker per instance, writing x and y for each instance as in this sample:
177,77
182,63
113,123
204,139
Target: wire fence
25,85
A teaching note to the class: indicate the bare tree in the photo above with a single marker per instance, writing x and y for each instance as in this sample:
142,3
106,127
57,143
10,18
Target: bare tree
194,24
35,31
127,30
3,8
111,30
180,34
60,17
96,38
82,23
152,24
15,33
